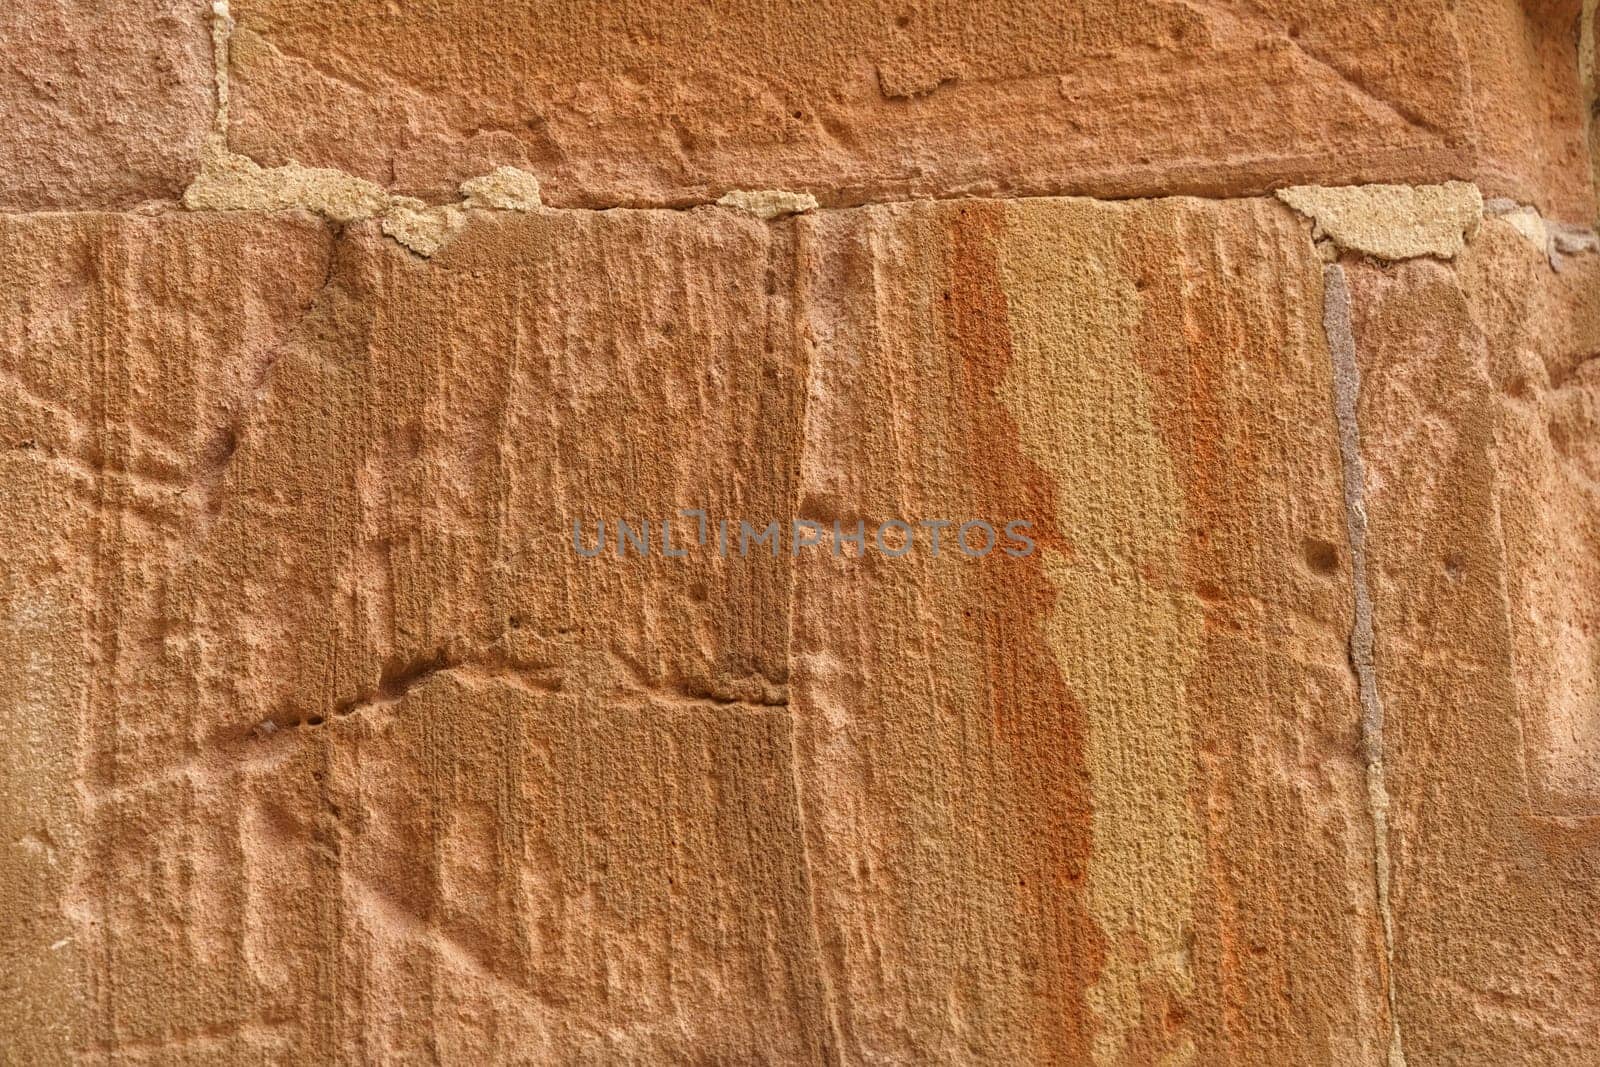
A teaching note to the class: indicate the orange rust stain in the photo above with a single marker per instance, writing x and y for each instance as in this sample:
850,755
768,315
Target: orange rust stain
1033,709
1187,391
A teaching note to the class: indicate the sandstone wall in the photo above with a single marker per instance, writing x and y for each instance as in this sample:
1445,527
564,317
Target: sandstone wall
1278,320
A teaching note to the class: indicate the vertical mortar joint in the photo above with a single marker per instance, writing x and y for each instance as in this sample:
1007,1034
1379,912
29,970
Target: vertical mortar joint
1346,398
221,34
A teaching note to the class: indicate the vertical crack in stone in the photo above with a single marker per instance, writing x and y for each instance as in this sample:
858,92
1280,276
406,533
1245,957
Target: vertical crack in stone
1346,394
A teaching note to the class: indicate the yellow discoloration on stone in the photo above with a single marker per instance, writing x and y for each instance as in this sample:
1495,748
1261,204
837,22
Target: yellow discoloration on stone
1391,221
504,187
421,228
1528,222
1124,639
232,182
768,203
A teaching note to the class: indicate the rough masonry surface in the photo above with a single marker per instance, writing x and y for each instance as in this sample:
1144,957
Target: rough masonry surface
324,322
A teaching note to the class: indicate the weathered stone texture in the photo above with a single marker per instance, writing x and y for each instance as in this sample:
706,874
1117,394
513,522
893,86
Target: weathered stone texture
129,350
102,104
366,760
663,103
368,763
1479,430
1106,801
324,744
1589,74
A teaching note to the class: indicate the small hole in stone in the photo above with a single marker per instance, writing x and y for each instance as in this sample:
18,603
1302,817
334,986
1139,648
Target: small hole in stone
1454,567
314,720
1321,557
903,21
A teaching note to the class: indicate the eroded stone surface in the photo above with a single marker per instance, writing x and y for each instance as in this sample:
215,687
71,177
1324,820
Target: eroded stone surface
355,727
1478,423
658,103
768,203
130,353
236,183
504,187
1107,799
104,104
1391,221
231,182
332,748
326,746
